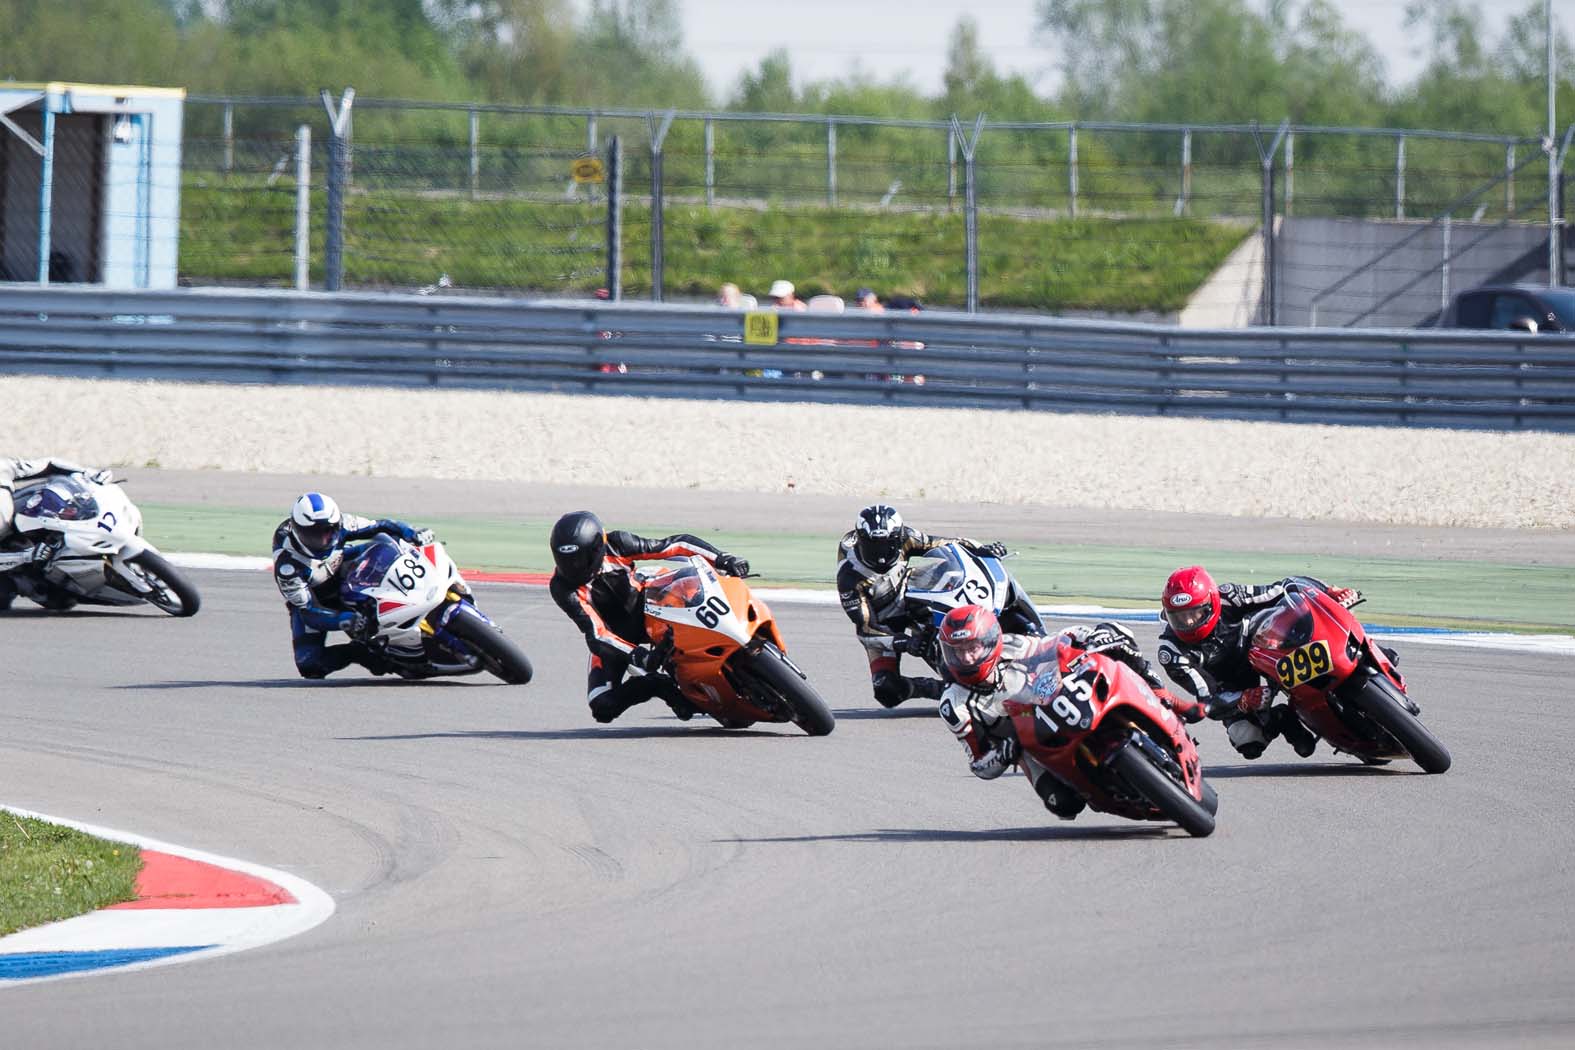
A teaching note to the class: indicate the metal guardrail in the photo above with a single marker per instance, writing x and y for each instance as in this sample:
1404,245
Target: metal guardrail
1387,377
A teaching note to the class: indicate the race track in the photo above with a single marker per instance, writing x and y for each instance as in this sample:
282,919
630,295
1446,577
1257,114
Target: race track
510,874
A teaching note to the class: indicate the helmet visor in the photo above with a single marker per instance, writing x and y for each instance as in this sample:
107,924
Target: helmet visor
316,538
1188,618
577,563
970,660
879,552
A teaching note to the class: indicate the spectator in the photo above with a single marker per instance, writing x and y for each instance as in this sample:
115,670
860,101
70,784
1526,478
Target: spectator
782,297
729,296
865,299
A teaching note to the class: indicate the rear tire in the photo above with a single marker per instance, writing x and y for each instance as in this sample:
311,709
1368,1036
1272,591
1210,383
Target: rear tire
498,652
173,593
1380,700
1166,794
767,668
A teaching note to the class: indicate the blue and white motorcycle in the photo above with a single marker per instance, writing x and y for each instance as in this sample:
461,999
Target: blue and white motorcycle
950,576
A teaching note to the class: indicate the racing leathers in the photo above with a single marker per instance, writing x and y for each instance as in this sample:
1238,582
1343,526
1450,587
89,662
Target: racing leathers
14,472
1215,670
310,586
610,613
977,716
873,600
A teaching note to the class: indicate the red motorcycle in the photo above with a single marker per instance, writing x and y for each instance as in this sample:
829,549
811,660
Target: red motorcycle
1095,724
1341,684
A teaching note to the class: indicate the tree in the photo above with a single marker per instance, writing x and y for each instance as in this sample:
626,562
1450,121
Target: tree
769,88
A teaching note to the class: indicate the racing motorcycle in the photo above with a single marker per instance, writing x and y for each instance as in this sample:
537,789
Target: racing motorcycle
728,657
1096,725
949,576
1341,684
100,557
421,615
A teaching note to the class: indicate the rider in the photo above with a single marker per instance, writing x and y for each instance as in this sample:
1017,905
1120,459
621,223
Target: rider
1203,649
18,471
872,577
595,584
988,667
308,552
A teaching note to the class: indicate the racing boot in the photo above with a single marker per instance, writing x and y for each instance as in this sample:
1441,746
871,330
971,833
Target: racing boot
1302,739
7,592
1058,797
1246,736
892,688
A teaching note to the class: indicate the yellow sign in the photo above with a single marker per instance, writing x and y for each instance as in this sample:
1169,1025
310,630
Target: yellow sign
586,169
760,327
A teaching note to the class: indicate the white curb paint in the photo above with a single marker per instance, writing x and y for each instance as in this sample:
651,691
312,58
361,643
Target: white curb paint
228,929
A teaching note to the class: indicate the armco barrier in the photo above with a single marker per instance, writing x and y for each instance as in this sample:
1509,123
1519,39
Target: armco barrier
1391,377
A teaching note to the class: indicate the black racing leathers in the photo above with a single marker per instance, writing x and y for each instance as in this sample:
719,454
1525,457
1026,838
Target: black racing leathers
610,613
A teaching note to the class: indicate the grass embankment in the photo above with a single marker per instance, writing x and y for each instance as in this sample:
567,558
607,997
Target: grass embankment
1464,595
235,231
49,872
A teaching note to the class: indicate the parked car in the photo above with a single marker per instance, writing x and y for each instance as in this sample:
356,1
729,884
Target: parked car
1513,307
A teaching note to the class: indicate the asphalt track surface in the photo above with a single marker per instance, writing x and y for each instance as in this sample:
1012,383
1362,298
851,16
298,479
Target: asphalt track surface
510,874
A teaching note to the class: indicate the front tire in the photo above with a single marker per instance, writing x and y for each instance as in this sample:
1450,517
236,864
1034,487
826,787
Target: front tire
768,669
1380,700
172,592
498,652
1164,792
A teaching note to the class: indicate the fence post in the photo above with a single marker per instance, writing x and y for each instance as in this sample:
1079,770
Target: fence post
1399,176
1186,172
831,164
1509,179
615,220
303,207
1290,171
710,163
1071,167
229,137
951,169
46,194
1443,269
658,136
1266,167
475,154
970,205
338,176
590,133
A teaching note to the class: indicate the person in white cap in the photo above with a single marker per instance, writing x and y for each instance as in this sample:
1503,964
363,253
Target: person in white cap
782,297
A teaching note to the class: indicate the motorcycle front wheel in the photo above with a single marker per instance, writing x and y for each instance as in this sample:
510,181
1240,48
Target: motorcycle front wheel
768,670
172,592
1162,790
1381,701
498,652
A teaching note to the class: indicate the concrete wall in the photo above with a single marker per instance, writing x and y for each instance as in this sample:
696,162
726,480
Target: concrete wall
1314,254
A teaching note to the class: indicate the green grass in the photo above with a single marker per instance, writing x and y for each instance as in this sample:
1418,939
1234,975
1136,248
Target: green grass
1466,595
240,230
49,872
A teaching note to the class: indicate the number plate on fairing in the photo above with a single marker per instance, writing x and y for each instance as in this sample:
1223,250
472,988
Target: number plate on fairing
1302,665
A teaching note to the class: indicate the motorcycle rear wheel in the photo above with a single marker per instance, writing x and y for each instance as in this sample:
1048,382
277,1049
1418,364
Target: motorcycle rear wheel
1166,794
172,592
768,669
1380,700
498,652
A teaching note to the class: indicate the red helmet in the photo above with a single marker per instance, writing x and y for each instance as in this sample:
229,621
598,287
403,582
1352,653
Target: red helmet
970,643
1191,603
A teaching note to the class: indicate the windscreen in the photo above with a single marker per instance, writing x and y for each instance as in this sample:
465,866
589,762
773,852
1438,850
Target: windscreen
1286,626
370,566
935,571
680,589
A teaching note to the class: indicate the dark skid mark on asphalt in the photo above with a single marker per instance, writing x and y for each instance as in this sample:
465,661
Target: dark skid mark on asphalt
884,713
585,733
1043,833
1291,769
299,683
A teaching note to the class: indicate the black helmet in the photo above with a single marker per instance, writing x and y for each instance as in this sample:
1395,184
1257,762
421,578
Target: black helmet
578,547
879,536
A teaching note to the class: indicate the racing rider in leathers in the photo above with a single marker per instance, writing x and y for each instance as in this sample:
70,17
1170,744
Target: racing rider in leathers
14,472
1203,648
308,553
595,584
872,578
987,667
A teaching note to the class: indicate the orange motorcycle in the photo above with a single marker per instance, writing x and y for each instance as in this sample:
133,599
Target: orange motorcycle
727,655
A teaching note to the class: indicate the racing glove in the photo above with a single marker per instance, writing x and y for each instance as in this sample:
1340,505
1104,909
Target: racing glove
654,657
359,626
991,550
1346,596
1252,699
731,565
1186,708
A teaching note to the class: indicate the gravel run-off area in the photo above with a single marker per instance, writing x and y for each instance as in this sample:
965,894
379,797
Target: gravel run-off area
1331,473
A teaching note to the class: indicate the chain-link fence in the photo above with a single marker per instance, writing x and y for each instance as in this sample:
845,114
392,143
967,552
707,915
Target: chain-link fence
1097,217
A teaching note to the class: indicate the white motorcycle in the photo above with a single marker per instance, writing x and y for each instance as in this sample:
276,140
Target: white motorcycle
100,557
421,616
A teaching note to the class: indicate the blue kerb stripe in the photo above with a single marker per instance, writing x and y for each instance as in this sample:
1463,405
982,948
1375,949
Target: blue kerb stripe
49,964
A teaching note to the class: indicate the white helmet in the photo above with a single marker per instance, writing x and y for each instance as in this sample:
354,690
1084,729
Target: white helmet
316,524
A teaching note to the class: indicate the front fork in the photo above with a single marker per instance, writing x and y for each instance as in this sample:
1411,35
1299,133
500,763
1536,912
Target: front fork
438,631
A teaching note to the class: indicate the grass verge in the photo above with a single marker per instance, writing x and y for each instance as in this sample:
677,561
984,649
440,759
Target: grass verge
49,872
239,230
1464,595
